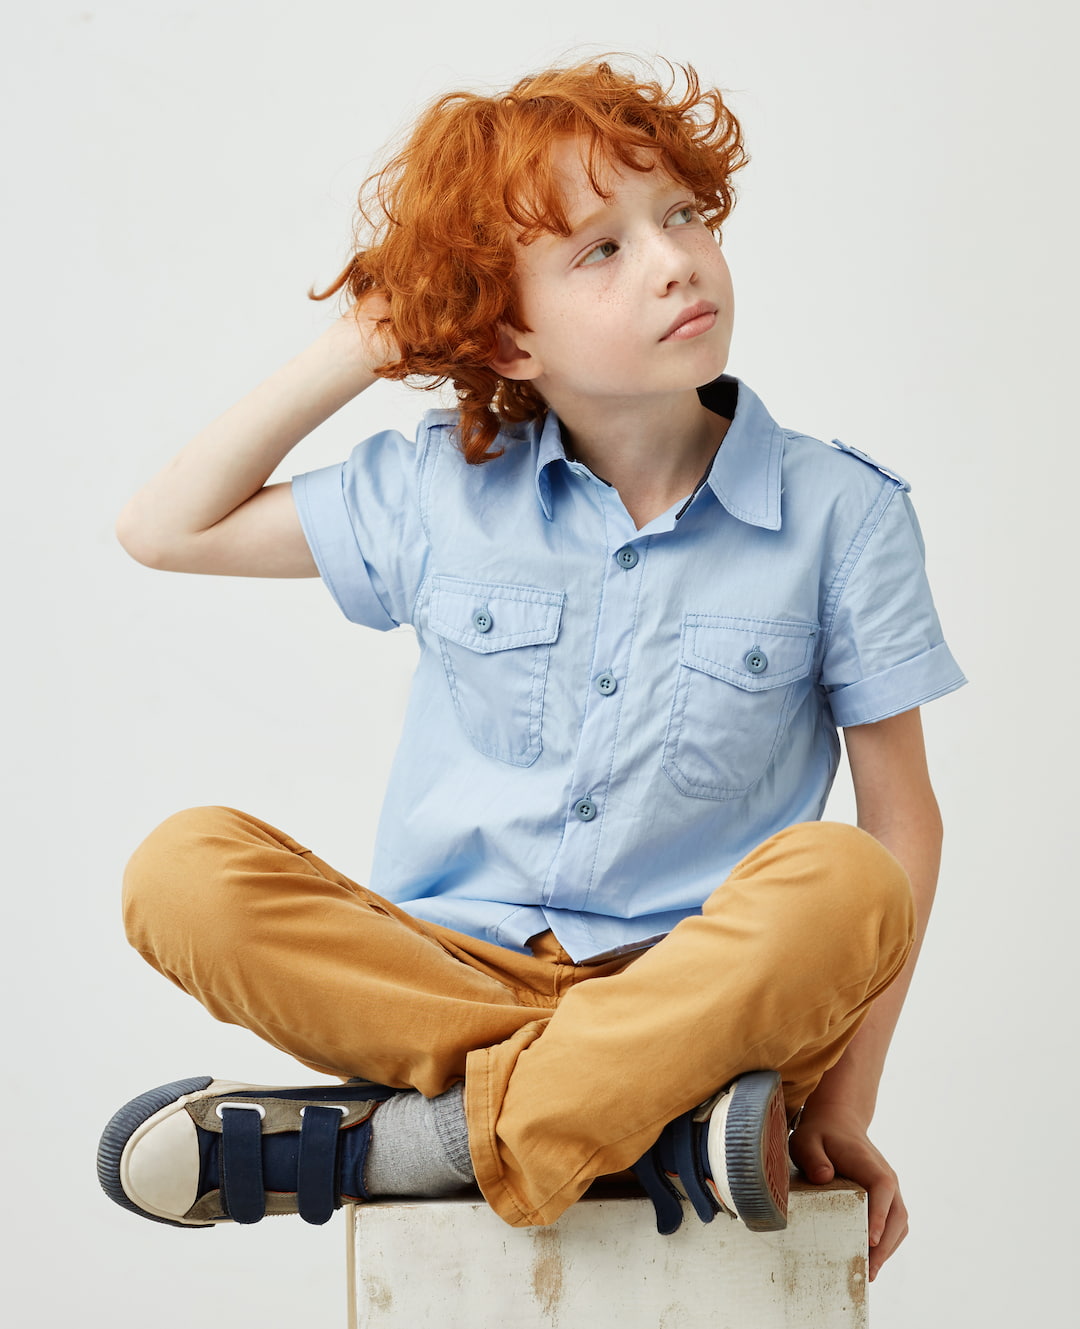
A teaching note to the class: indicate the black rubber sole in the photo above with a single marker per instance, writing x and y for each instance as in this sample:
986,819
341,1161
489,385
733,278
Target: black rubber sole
123,1125
756,1154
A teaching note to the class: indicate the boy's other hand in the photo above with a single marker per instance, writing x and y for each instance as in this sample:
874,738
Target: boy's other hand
829,1142
371,314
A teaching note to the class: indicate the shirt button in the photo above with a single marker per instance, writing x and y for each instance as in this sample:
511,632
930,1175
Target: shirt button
585,809
627,557
481,620
606,684
756,660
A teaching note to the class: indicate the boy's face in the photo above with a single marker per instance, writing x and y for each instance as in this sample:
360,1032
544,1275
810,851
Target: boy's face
636,301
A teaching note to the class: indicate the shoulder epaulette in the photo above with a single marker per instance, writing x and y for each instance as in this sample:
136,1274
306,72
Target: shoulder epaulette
862,456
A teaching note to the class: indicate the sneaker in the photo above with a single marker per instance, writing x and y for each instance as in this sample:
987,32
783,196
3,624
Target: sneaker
728,1154
201,1151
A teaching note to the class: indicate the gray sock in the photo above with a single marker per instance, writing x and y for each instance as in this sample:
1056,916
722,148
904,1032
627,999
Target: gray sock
419,1146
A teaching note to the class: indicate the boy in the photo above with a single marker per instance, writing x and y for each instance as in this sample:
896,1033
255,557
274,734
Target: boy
610,930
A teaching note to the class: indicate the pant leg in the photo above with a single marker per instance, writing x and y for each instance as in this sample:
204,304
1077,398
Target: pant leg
267,936
778,972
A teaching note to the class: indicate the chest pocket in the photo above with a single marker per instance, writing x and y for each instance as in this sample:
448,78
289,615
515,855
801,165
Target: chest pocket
739,682
495,639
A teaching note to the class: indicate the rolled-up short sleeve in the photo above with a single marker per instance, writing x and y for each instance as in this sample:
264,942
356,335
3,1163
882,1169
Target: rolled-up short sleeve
362,523
884,650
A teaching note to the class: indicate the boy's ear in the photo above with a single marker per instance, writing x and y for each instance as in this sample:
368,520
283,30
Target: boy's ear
511,359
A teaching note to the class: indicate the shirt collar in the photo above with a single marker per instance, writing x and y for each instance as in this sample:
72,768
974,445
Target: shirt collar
745,474
549,448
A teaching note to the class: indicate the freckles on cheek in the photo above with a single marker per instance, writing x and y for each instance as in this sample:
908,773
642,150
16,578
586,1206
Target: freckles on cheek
614,305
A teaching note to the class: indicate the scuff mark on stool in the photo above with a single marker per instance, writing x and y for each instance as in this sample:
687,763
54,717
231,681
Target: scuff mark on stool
857,1280
547,1270
379,1293
674,1316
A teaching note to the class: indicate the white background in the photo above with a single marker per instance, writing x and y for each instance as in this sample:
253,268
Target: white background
176,176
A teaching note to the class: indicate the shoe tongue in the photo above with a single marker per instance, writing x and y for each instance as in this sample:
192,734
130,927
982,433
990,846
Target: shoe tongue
281,1159
209,1161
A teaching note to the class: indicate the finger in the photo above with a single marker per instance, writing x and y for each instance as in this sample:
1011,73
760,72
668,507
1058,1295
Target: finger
894,1235
882,1194
808,1154
894,1232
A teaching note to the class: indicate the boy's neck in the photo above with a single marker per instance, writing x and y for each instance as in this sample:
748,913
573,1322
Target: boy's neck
652,451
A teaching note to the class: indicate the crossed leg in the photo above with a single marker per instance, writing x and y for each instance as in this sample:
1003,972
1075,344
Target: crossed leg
570,1070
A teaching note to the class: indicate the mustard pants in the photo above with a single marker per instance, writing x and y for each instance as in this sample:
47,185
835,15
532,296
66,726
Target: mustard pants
570,1070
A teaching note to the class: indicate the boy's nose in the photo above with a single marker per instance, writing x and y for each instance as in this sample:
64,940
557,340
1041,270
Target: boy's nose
673,266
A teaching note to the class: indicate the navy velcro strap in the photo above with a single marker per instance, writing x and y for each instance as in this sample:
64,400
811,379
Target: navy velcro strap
690,1168
241,1163
677,1156
658,1188
316,1191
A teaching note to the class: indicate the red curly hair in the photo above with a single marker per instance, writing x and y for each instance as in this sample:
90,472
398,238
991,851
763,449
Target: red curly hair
439,224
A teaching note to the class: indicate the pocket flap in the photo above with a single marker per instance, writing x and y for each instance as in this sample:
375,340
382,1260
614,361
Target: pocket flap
487,616
752,653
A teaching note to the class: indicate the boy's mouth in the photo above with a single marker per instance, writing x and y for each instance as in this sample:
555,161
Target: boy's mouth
693,321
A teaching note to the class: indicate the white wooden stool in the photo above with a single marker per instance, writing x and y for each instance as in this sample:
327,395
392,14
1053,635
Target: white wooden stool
603,1265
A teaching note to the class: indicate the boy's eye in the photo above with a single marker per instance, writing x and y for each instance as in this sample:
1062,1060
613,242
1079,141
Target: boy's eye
603,250
683,216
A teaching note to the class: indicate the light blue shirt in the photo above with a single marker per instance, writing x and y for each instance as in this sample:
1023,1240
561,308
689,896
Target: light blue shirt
605,720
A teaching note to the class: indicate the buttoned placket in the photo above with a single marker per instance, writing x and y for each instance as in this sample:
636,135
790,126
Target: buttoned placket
604,689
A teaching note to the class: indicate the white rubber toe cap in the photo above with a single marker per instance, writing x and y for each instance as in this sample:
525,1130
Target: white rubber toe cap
160,1166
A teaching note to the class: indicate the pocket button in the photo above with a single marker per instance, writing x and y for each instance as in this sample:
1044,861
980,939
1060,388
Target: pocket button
481,620
756,660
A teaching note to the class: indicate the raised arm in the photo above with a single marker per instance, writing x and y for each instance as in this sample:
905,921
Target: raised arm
896,804
210,509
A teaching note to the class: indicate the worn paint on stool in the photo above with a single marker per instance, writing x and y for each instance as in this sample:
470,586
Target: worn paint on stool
454,1263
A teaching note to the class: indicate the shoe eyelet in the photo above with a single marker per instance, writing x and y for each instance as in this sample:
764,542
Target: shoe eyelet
248,1107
